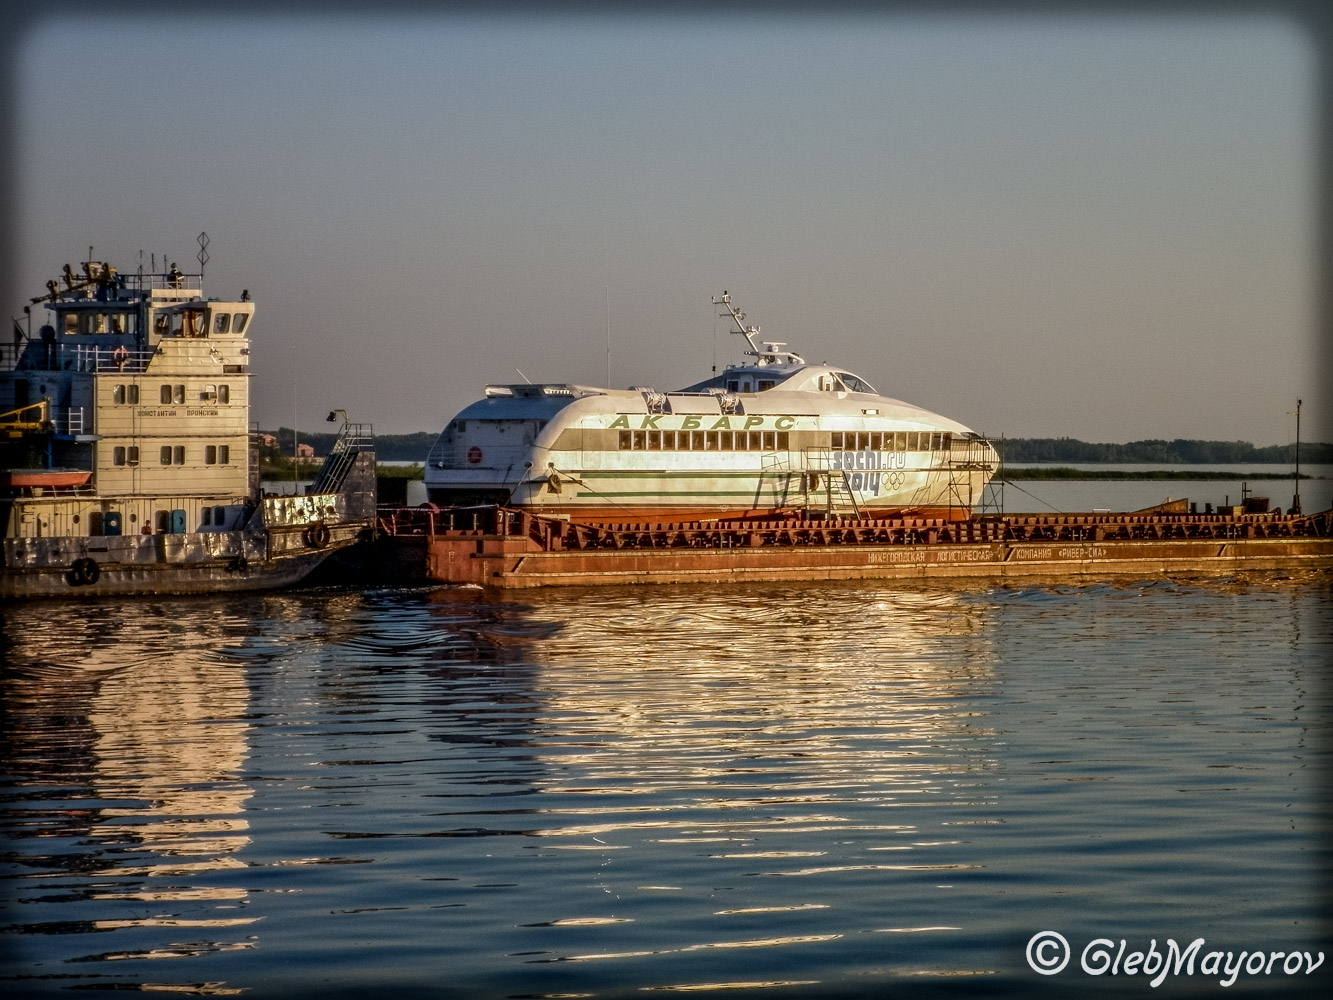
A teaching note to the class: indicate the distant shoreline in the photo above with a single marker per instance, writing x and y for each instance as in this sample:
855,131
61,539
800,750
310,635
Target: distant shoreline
1048,473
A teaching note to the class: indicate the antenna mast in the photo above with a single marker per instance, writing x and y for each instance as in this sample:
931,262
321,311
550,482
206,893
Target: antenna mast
771,354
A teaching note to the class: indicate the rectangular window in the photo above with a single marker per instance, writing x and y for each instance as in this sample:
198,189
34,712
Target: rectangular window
837,441
178,455
224,454
668,440
876,441
166,454
768,441
206,515
733,385
765,383
118,455
654,440
219,516
224,393
724,440
696,440
784,440
239,325
210,454
178,394
132,395
163,519
710,440
637,440
164,395
117,394
222,323
132,454
625,439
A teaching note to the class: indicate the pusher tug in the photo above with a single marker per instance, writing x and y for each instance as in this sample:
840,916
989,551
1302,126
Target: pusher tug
775,436
127,461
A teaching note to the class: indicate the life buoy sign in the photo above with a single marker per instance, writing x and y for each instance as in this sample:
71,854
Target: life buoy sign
474,455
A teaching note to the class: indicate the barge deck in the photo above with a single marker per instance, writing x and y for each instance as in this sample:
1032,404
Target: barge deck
507,548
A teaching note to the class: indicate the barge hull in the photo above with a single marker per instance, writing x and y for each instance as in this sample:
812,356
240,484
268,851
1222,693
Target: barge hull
506,566
513,549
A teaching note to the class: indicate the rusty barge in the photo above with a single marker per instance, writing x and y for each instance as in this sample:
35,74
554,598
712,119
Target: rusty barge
509,548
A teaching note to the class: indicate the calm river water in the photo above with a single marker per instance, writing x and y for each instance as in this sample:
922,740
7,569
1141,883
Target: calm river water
834,790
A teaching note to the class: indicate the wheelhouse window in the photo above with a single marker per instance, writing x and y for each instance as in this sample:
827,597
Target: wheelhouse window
855,384
222,322
239,325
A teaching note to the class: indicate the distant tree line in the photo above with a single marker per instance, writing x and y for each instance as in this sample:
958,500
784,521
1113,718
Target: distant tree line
1181,451
388,447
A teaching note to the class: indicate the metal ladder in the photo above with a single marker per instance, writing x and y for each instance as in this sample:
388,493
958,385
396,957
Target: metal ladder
352,440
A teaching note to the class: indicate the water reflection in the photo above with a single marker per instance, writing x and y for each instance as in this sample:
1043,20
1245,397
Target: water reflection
127,742
660,789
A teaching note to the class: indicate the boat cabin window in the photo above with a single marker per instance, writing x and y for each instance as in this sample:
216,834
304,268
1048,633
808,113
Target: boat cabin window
855,384
118,455
224,454
222,322
733,385
224,393
118,394
704,440
239,325
766,383
210,454
178,455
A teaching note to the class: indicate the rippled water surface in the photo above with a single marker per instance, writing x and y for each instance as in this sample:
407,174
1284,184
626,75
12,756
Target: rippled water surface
802,790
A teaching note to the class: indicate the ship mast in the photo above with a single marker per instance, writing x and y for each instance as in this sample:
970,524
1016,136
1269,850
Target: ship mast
771,354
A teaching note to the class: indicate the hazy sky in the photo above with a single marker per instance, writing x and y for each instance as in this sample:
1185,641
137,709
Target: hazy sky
1099,228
